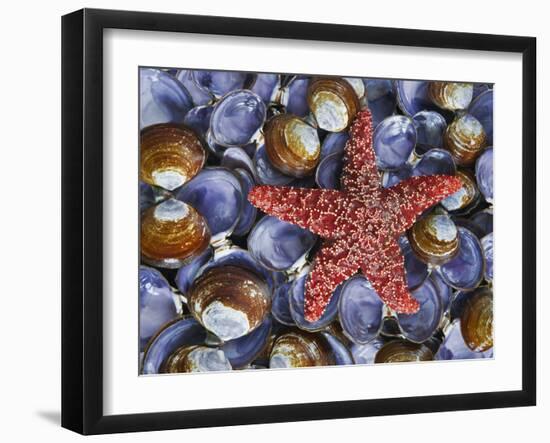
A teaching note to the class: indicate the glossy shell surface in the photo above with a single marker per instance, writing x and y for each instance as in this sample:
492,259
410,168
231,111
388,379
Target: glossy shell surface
450,95
476,322
402,351
197,359
465,139
434,238
394,140
299,349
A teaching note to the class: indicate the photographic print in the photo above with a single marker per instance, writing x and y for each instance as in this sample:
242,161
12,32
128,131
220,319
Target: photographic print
292,221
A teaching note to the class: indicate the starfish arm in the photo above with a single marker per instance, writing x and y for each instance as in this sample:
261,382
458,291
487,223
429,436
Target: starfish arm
360,173
417,194
336,261
385,269
314,209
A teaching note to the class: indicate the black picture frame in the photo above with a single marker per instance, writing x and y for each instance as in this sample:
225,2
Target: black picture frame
82,219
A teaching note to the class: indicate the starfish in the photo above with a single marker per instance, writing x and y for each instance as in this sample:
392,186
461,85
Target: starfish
360,224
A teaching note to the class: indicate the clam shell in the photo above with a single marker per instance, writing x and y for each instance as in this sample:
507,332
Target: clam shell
487,245
229,301
174,335
483,222
430,127
170,155
391,178
400,351
266,173
244,350
360,310
197,359
381,98
219,83
454,348
199,95
292,145
476,322
297,349
393,141
465,139
466,198
266,86
334,142
280,304
450,95
365,354
329,171
444,291
434,238
187,273
294,97
333,102
249,212
198,119
482,109
484,174
340,352
434,162
172,233
415,269
237,118
413,97
162,98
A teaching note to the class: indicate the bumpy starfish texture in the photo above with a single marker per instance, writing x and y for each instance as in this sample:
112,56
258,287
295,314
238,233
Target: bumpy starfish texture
360,224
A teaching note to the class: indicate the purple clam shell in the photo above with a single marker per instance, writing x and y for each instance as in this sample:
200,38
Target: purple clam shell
157,303
484,174
198,119
381,99
248,212
365,354
266,173
458,303
480,88
334,142
234,158
454,347
162,98
444,290
278,245
187,273
360,310
280,304
213,146
482,109
180,333
329,171
487,245
412,97
216,193
237,118
266,86
146,196
416,270
465,271
434,162
297,97
394,140
243,350
200,96
340,352
391,178
297,294
430,126
420,326
483,222
219,83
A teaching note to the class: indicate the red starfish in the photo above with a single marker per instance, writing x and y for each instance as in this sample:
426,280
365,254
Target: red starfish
359,224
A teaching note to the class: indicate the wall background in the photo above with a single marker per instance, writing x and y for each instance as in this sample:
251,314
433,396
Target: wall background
30,91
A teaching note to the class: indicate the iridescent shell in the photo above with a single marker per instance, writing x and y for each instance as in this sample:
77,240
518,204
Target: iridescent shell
487,245
444,291
420,326
219,83
229,301
381,99
180,333
200,96
412,97
198,119
365,354
415,269
393,140
296,298
196,359
237,118
360,310
477,321
244,350
400,351
329,171
434,162
482,109
266,174
172,233
237,158
450,95
217,194
266,86
465,270
170,155
292,145
278,245
162,98
298,349
430,127
484,174
334,142
454,348
466,198
333,102
294,96
434,238
465,139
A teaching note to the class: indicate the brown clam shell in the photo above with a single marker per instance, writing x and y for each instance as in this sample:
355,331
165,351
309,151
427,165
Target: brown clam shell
434,238
333,101
229,301
450,95
196,359
172,233
399,351
467,196
476,322
292,145
170,155
298,349
465,139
